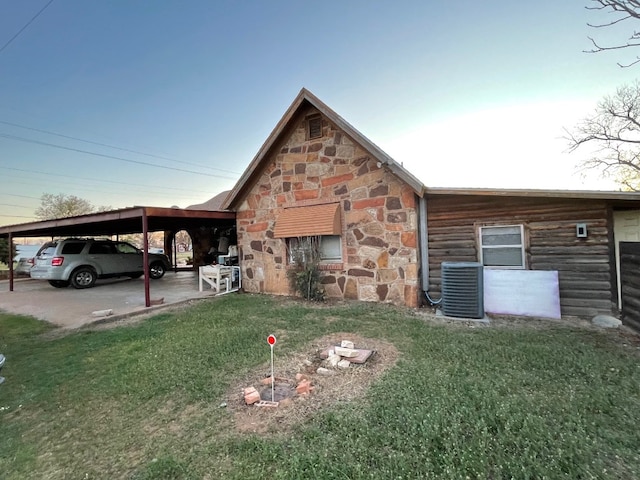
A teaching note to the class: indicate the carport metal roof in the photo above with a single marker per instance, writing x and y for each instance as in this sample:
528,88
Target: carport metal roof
113,222
127,220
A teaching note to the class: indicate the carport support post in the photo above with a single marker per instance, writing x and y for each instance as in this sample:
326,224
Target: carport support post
145,257
10,260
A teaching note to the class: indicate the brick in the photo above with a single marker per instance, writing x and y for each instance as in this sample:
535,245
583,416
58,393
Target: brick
344,364
411,296
257,227
326,182
368,203
333,360
408,198
383,260
304,387
398,217
374,242
347,344
358,272
246,214
346,352
251,396
394,227
393,203
408,239
379,191
305,194
382,291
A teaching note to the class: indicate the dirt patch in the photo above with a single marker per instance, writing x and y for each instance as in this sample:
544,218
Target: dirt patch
343,386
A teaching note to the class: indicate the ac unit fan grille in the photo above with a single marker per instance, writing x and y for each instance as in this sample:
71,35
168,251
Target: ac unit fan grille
462,289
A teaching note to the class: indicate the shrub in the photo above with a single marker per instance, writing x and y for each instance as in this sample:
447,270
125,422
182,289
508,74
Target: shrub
304,273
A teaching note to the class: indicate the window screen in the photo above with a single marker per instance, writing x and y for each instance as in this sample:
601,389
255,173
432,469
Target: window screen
502,246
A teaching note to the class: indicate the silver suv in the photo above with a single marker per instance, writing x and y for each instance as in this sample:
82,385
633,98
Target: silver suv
80,262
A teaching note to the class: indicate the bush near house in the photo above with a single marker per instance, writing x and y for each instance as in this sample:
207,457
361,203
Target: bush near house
144,400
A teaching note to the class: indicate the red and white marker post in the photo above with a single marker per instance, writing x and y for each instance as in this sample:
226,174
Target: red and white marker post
271,340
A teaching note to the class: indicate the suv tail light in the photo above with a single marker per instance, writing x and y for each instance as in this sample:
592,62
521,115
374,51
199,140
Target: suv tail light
57,261
31,261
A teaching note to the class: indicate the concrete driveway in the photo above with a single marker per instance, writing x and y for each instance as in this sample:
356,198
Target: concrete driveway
71,308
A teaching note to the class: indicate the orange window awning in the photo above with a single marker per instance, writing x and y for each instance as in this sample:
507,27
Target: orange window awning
309,221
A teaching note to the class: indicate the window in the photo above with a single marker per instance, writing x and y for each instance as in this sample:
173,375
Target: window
126,248
72,248
314,127
102,248
329,248
502,246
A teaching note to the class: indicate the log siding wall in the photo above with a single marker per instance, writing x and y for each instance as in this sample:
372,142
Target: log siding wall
584,264
629,268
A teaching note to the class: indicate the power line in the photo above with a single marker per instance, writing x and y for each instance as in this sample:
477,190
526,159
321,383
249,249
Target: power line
25,27
114,147
36,142
21,196
90,188
13,205
102,180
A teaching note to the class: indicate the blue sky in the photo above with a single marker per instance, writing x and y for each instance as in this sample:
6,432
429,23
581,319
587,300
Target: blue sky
465,93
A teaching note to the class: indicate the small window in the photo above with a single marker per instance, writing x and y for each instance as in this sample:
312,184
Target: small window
502,246
328,247
314,127
72,248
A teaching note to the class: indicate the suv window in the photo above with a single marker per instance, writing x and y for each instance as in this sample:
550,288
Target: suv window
126,248
47,250
102,248
72,248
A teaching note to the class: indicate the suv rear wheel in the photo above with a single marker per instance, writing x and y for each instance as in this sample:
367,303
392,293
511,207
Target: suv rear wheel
83,277
156,270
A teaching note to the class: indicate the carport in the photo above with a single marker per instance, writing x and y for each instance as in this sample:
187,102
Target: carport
118,222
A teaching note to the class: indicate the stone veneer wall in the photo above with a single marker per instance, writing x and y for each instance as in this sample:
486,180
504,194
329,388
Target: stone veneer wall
379,219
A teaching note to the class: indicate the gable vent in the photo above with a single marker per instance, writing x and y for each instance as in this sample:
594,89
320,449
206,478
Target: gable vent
462,289
314,127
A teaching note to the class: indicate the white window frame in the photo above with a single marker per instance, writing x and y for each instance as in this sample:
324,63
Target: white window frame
521,246
325,257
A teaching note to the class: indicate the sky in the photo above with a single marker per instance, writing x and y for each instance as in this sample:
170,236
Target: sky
165,103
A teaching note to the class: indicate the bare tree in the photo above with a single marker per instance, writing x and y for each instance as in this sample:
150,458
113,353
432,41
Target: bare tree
623,11
62,206
614,129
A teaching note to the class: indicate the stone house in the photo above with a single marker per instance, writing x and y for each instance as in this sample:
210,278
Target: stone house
317,176
384,235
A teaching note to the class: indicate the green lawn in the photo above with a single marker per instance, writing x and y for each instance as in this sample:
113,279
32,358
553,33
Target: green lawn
143,401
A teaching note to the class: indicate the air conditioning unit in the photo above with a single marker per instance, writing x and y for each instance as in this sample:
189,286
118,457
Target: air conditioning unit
462,289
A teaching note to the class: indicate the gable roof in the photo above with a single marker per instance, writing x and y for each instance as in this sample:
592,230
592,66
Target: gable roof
214,203
303,100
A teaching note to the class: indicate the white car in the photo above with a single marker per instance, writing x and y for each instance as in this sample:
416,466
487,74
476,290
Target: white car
81,261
